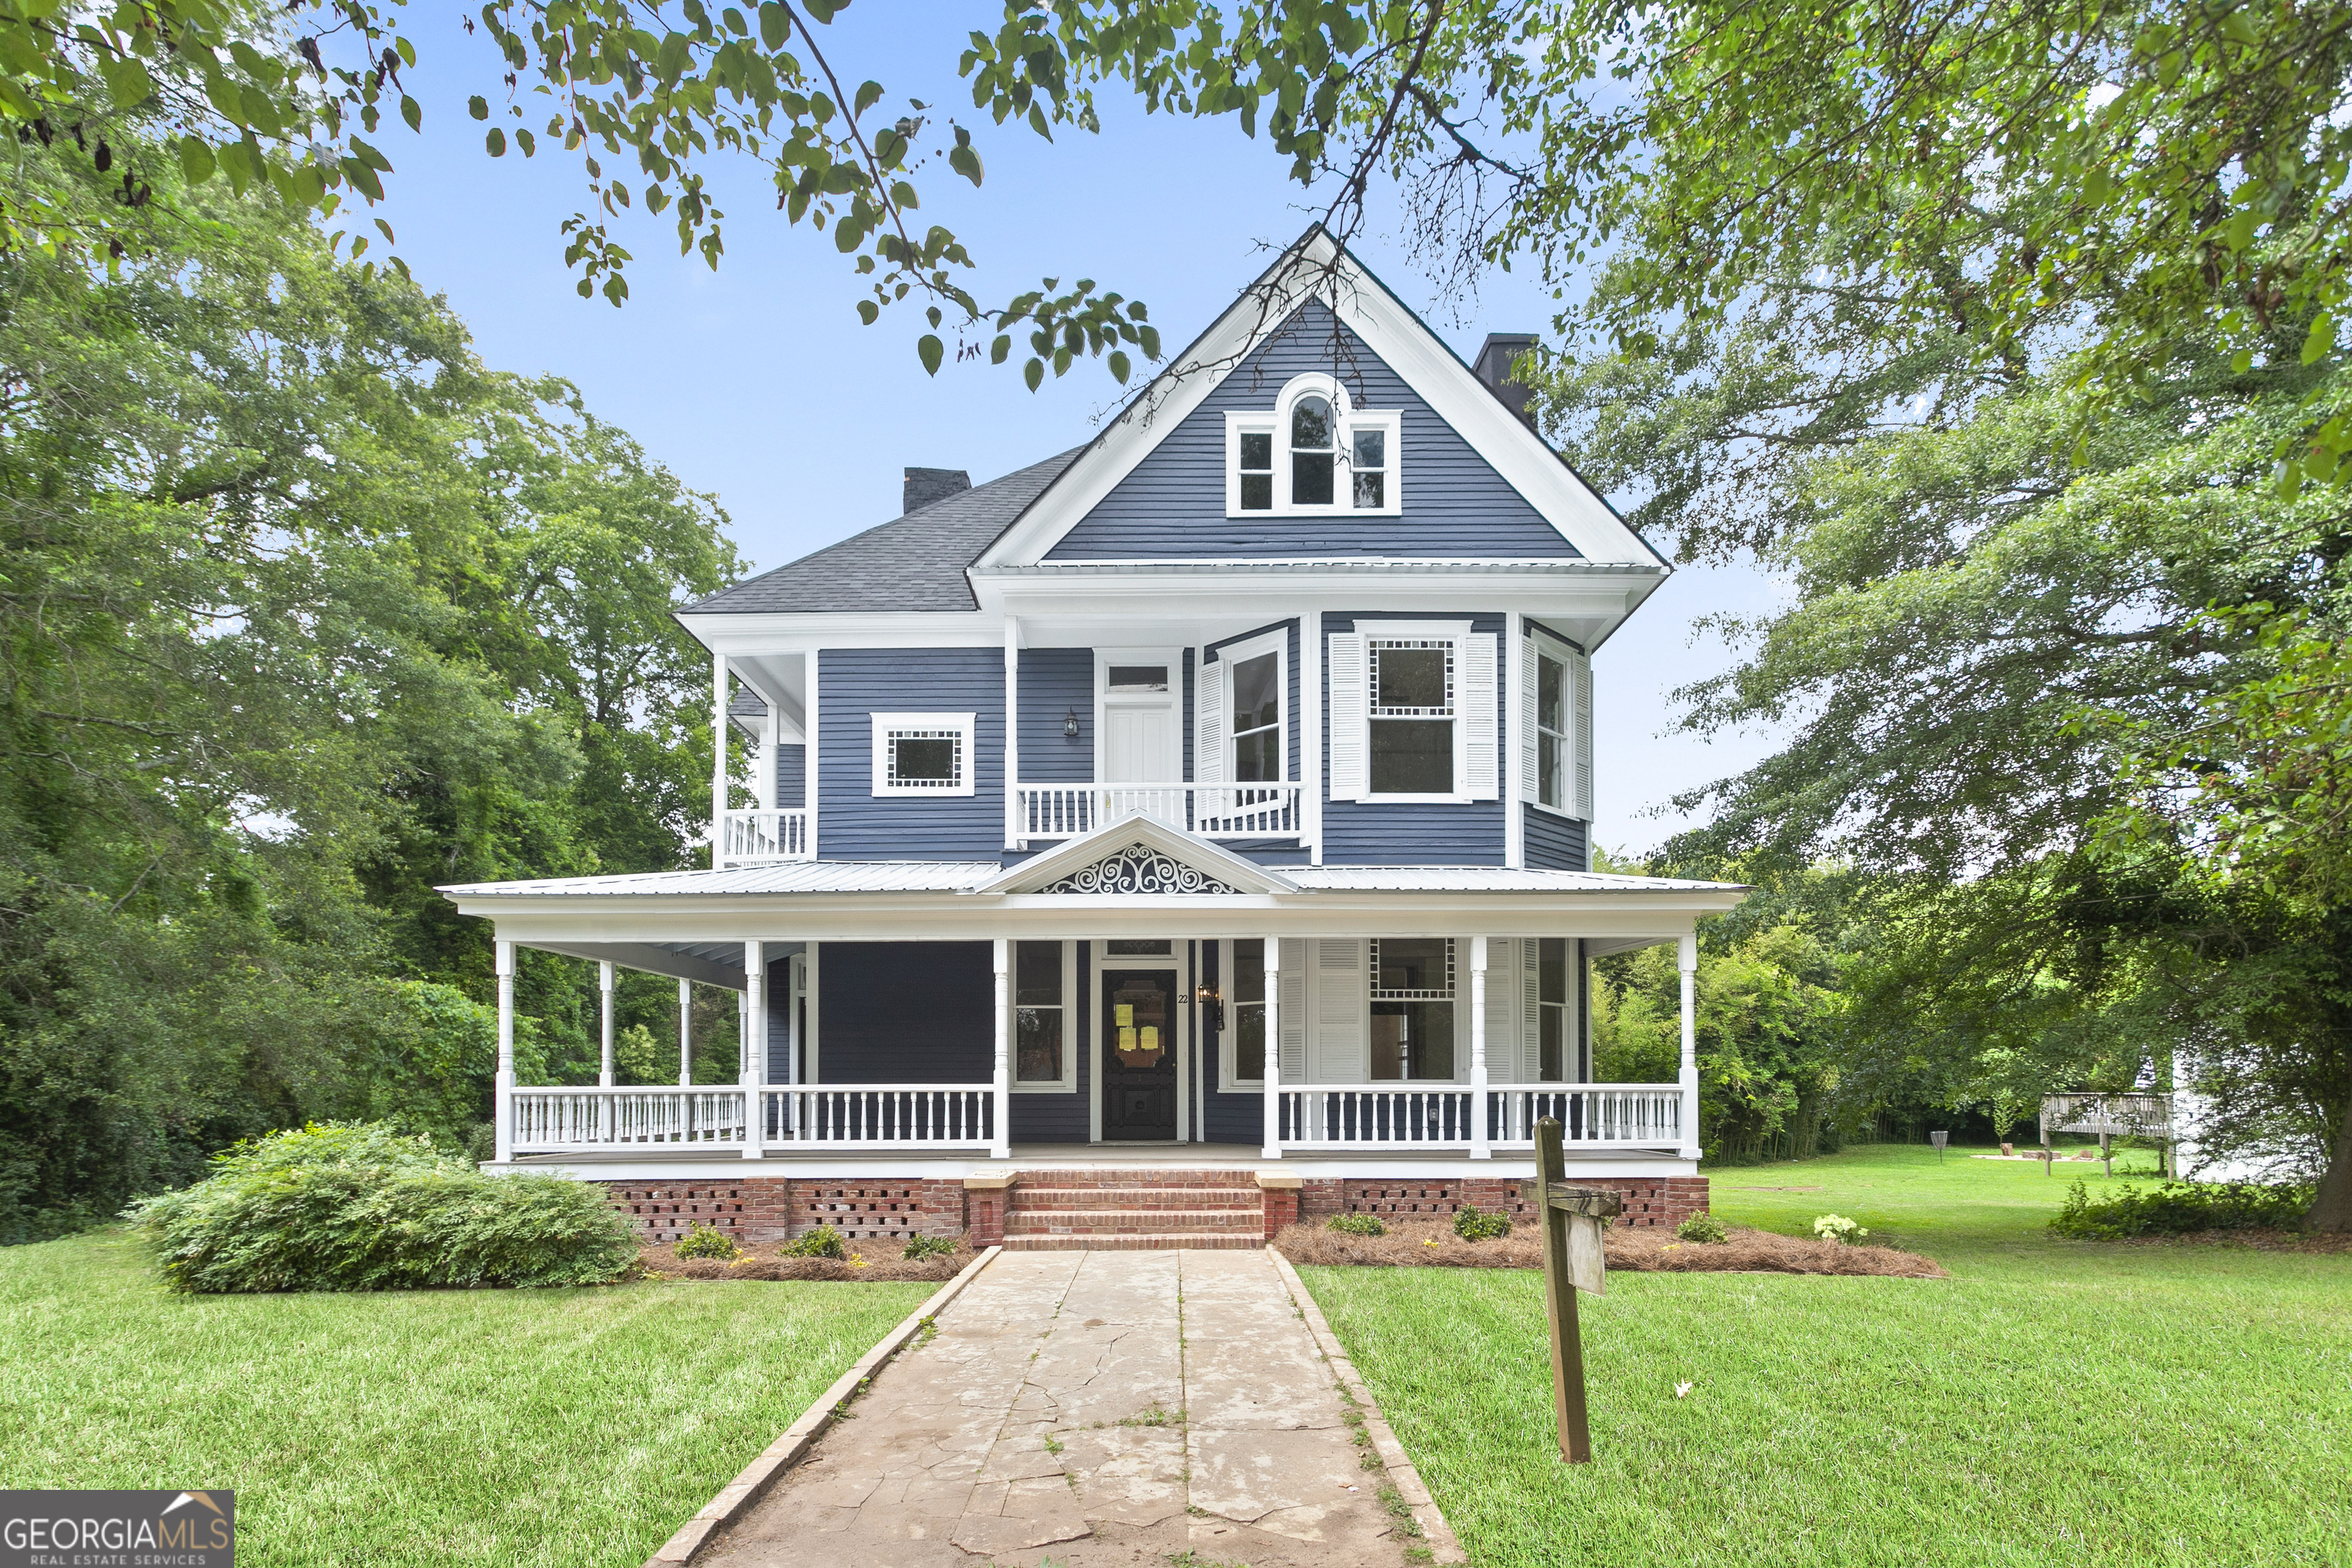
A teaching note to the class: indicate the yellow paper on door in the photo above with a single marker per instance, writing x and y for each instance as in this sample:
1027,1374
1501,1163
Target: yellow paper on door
1125,1036
1123,1014
1150,1038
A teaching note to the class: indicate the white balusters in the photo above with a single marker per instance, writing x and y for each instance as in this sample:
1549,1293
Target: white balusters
1437,1116
777,835
1213,811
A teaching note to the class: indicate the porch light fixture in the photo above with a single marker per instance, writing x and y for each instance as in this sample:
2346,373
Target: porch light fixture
1070,723
1212,1008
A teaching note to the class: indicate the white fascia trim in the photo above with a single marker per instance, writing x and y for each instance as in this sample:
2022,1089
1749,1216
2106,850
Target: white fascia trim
777,633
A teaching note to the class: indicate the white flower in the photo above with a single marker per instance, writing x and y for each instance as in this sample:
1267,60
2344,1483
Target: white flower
1683,1388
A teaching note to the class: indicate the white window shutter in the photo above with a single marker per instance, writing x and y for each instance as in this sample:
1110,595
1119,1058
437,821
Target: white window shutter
1502,1010
1351,717
1293,1007
1529,740
1531,1009
1571,1033
1482,717
1581,671
1209,724
1339,1011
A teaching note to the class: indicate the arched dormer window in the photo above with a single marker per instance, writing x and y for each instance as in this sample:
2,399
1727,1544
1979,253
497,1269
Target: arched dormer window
1312,452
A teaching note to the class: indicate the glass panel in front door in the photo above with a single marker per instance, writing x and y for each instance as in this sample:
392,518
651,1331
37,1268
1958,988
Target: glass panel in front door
1139,1055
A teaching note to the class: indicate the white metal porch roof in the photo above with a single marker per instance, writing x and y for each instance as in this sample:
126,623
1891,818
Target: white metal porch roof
837,877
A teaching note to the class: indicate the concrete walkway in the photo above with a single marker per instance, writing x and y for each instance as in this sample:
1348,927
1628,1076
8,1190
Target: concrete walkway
1090,1408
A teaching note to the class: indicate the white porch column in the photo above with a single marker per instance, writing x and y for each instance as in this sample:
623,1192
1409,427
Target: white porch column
1000,1146
503,1092
1688,952
1271,1072
1012,733
755,1044
685,1032
605,978
718,760
1481,1146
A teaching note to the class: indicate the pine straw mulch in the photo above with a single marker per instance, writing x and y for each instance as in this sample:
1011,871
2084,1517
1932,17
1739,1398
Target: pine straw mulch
1643,1251
879,1260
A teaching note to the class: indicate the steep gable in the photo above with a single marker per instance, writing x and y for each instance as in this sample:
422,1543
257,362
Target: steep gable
1172,505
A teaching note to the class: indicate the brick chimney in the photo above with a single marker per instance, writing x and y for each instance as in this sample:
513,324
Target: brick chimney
1492,366
925,486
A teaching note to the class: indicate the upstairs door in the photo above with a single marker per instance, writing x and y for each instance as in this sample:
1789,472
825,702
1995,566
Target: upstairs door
1141,696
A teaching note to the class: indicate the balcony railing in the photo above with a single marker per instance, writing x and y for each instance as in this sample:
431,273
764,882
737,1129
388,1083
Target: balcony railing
781,834
549,1120
830,1115
1045,811
1442,1116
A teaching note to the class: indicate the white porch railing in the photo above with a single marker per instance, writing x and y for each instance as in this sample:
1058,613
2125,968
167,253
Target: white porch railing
568,1119
1213,811
879,1116
781,835
1442,1116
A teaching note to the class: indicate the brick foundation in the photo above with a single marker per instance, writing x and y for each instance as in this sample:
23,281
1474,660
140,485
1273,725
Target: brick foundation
1649,1200
777,1208
1107,1207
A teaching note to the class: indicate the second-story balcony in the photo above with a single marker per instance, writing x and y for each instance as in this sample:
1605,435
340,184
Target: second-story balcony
774,834
1044,812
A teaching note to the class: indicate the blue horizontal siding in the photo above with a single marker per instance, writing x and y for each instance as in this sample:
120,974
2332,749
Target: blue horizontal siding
791,777
1555,843
905,1012
855,683
1355,834
1173,503
1056,682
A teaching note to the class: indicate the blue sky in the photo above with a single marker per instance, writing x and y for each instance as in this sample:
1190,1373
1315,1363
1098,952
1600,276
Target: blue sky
757,382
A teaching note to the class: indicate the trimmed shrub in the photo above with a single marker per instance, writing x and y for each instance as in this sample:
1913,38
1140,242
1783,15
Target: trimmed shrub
822,1242
1837,1228
359,1206
2178,1208
1472,1224
1357,1225
921,1246
702,1240
1704,1228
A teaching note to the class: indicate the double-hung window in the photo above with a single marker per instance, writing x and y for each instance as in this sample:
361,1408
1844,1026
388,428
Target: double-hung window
1555,1033
922,753
1413,1009
1312,452
1255,680
1551,728
1413,716
1042,1054
1245,1013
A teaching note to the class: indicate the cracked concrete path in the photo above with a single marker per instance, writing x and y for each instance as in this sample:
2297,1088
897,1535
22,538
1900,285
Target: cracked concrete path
1091,1408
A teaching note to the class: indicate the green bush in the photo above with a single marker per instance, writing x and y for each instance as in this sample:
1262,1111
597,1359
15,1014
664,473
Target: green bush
921,1246
1704,1228
702,1240
2177,1208
1357,1225
822,1242
357,1206
1471,1224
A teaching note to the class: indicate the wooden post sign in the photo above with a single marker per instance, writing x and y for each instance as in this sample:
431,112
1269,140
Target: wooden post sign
1573,1218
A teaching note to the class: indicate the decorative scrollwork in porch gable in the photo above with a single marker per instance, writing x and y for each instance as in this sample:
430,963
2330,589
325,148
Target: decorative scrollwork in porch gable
1140,868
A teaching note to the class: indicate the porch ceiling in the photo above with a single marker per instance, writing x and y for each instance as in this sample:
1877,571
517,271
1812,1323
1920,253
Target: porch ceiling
706,963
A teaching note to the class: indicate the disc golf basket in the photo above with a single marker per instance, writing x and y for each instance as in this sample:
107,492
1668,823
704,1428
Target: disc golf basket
2111,1116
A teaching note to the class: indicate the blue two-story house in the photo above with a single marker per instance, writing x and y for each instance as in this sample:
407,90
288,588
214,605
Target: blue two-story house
1202,810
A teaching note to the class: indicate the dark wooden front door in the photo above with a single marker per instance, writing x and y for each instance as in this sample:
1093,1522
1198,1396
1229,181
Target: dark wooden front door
1139,1053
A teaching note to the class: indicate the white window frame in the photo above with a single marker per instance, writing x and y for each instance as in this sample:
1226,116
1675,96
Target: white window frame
960,725
1548,646
1068,1083
1453,632
1227,1083
1456,995
1347,420
1278,643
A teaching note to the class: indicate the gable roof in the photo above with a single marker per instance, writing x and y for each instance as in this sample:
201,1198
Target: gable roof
1233,873
914,563
1319,269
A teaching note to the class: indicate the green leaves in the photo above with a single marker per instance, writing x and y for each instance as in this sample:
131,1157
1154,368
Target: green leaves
930,351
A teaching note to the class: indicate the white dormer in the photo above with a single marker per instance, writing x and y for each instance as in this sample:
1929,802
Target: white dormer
1313,452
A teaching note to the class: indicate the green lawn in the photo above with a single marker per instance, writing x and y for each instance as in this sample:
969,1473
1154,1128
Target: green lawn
497,1427
2051,1402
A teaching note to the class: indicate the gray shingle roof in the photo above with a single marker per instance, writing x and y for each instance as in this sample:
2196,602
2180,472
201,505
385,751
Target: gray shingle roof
913,563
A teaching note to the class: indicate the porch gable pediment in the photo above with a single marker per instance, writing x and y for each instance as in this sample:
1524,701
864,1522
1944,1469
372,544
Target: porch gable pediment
1140,855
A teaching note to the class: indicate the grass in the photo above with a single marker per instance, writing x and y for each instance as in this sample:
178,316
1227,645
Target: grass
497,1427
2051,1402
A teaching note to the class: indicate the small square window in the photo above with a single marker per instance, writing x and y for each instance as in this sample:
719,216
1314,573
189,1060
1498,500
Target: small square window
922,753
